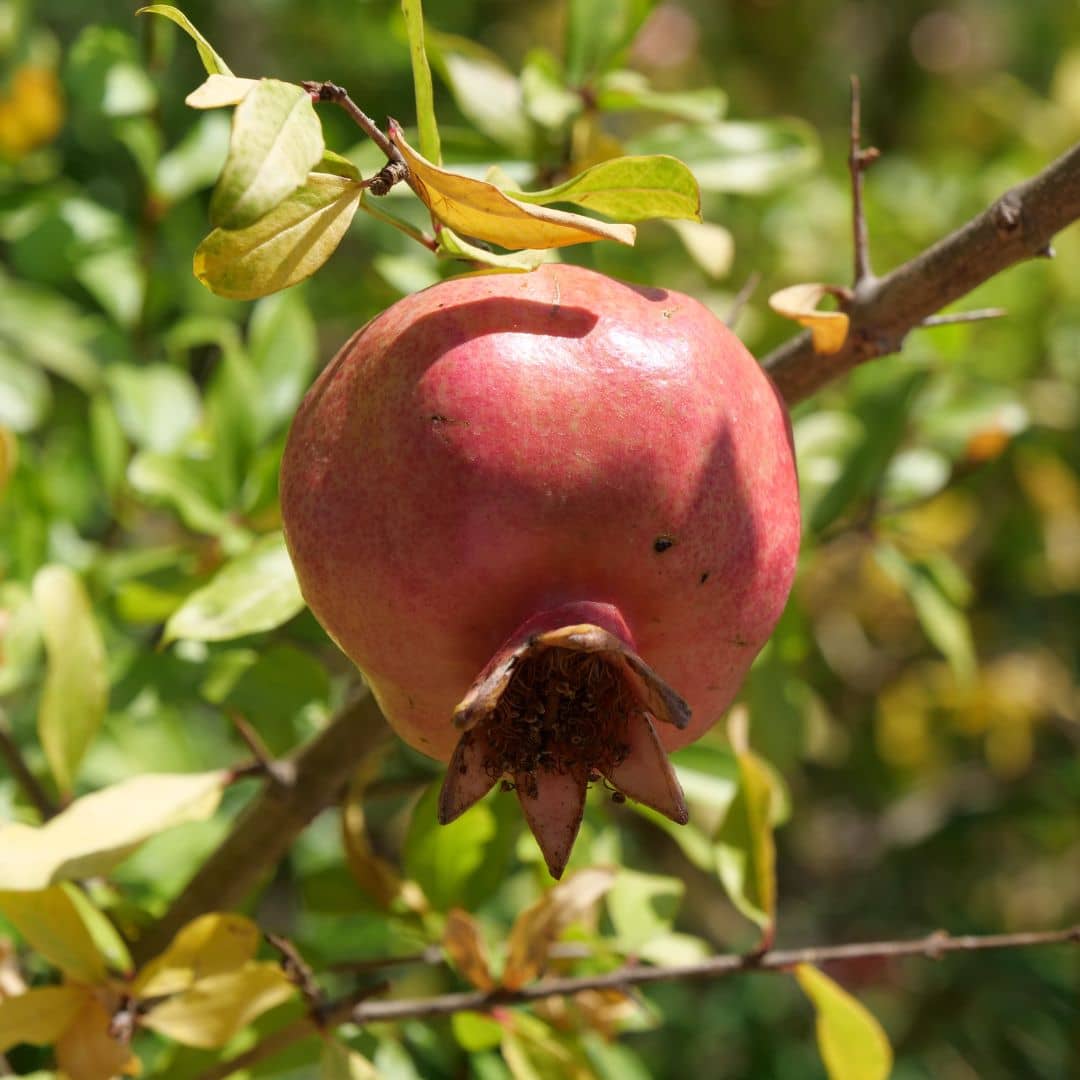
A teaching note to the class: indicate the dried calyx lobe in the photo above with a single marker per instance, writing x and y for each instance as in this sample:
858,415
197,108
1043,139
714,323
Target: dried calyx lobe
559,710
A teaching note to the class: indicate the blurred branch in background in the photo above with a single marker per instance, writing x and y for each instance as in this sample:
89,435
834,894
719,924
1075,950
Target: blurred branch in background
1017,226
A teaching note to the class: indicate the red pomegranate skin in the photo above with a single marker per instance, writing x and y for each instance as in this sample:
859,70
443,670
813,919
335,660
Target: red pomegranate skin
500,445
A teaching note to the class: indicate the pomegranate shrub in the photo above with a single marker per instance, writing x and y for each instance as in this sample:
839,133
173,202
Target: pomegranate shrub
552,518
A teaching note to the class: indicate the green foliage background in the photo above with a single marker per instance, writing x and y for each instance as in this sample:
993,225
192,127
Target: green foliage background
921,698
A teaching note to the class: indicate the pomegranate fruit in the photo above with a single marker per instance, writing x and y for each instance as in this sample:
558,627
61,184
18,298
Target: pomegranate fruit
552,518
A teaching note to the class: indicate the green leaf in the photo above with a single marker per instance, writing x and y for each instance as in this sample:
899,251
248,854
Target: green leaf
95,833
337,165
76,690
50,924
285,246
737,157
711,246
39,1016
276,141
547,98
425,95
486,91
176,481
631,90
628,188
106,938
643,907
22,637
455,247
284,350
41,328
475,1031
339,1062
745,852
25,396
460,864
196,161
852,1043
597,33
157,405
106,78
211,60
938,612
254,592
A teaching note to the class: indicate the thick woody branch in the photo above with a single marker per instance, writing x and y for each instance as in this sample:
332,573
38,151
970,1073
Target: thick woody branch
267,827
1017,226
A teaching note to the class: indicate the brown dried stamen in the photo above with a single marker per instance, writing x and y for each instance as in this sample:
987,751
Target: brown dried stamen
562,710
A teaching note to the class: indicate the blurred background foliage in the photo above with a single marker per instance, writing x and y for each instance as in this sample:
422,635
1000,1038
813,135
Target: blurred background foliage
920,698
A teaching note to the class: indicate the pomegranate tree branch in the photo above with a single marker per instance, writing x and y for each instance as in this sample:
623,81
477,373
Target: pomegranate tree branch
29,784
932,946
395,169
1017,226
266,828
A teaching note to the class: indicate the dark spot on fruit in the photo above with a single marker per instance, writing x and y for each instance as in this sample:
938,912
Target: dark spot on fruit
618,797
662,543
704,577
739,640
438,418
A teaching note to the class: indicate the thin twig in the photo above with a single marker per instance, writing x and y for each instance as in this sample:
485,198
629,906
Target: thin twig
742,298
299,973
858,162
283,773
338,95
933,946
976,315
27,781
1017,226
395,170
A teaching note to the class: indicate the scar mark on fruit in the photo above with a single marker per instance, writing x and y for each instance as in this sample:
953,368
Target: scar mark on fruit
662,543
439,418
668,312
740,641
704,577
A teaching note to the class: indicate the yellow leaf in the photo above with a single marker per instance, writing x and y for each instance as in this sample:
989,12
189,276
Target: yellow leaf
745,850
539,926
828,329
220,90
50,924
465,947
480,210
9,457
853,1044
98,831
215,1008
209,945
86,1050
39,1016
76,690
